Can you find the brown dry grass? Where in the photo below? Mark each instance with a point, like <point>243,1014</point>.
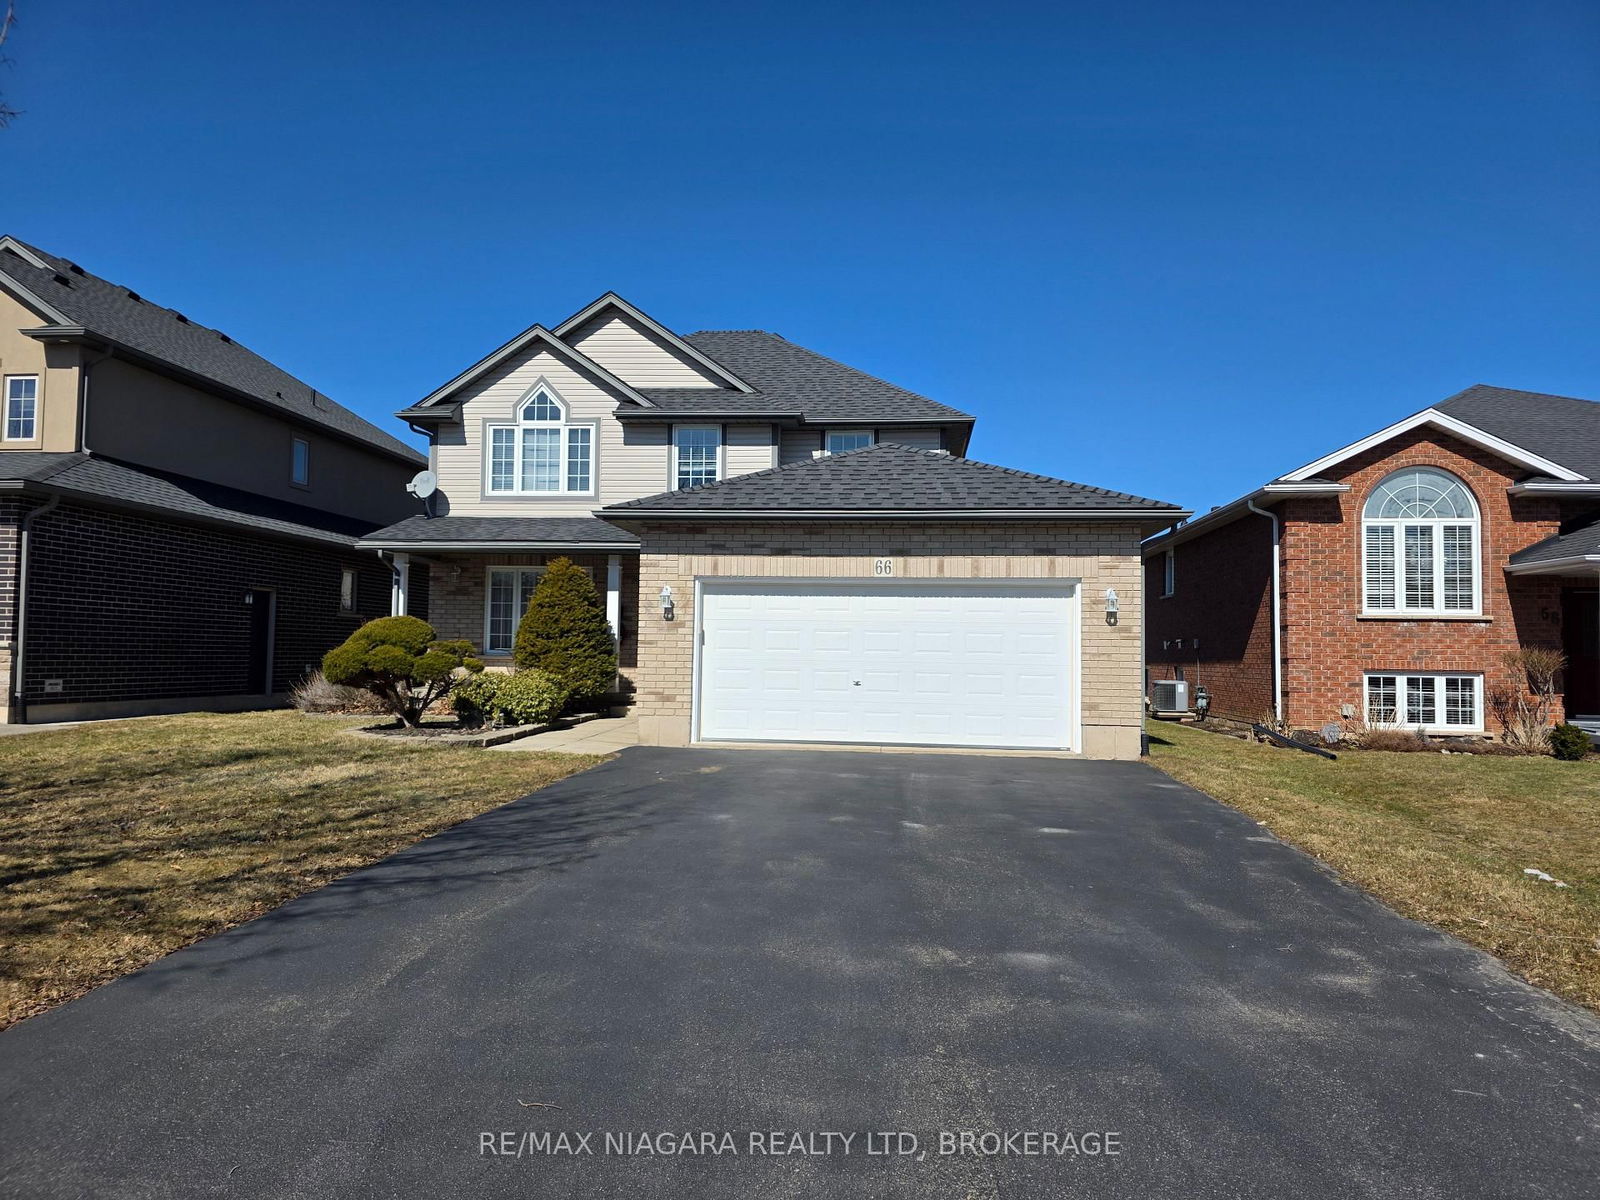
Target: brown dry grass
<point>1443,839</point>
<point>121,842</point>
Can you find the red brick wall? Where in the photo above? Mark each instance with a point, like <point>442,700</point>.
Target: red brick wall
<point>1223,598</point>
<point>1328,644</point>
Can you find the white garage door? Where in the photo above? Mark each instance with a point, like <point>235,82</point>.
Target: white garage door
<point>909,663</point>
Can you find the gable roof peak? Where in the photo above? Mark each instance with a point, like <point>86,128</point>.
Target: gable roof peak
<point>612,300</point>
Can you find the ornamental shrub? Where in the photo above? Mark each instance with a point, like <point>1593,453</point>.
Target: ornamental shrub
<point>529,698</point>
<point>402,663</point>
<point>473,698</point>
<point>565,633</point>
<point>1569,743</point>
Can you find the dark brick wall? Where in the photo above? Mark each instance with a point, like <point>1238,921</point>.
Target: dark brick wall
<point>129,607</point>
<point>11,511</point>
<point>1223,601</point>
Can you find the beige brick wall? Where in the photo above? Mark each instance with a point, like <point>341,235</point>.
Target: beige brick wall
<point>1101,555</point>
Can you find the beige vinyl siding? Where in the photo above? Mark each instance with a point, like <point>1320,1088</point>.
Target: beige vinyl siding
<point>749,448</point>
<point>630,460</point>
<point>635,355</point>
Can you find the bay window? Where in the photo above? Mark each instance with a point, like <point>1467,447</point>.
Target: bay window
<point>543,453</point>
<point>1420,538</point>
<point>1434,703</point>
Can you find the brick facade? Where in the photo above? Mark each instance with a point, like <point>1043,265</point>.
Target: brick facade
<point>1328,644</point>
<point>1102,556</point>
<point>459,596</point>
<point>130,610</point>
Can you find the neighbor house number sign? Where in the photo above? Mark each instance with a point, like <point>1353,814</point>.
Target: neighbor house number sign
<point>883,566</point>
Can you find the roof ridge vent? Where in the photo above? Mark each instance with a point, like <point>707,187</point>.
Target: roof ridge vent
<point>62,279</point>
<point>222,335</point>
<point>134,296</point>
<point>73,267</point>
<point>180,316</point>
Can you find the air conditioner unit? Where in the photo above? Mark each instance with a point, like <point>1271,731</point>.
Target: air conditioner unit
<point>1169,695</point>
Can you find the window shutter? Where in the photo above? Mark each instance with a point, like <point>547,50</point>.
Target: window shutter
<point>1419,566</point>
<point>1380,567</point>
<point>1458,572</point>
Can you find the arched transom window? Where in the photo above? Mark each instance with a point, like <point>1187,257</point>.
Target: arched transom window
<point>542,452</point>
<point>1420,545</point>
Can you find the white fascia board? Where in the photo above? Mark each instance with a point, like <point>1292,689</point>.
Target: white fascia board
<point>1554,565</point>
<point>534,333</point>
<point>28,256</point>
<point>612,300</point>
<point>1555,488</point>
<point>1234,509</point>
<point>1467,433</point>
<point>32,300</point>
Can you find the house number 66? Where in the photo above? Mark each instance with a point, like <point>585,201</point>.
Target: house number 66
<point>883,566</point>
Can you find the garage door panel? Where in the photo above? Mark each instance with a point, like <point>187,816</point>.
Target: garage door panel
<point>925,663</point>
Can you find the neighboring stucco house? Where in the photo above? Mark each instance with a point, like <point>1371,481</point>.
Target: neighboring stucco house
<point>1408,564</point>
<point>791,550</point>
<point>178,517</point>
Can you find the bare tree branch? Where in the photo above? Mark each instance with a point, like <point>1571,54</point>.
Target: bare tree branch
<point>7,113</point>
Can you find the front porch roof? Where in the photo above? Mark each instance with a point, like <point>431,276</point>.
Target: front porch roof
<point>498,534</point>
<point>1575,553</point>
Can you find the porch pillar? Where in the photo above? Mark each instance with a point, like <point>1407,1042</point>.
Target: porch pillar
<point>614,596</point>
<point>401,582</point>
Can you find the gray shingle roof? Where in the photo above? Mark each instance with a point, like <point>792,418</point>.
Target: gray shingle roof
<point>791,379</point>
<point>1578,543</point>
<point>116,313</point>
<point>887,477</point>
<point>1563,429</point>
<point>420,530</point>
<point>119,485</point>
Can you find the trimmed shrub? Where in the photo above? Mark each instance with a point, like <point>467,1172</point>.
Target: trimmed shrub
<point>1569,743</point>
<point>401,662</point>
<point>529,698</point>
<point>565,633</point>
<point>473,698</point>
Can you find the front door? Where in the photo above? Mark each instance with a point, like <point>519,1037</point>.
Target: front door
<point>1580,637</point>
<point>260,672</point>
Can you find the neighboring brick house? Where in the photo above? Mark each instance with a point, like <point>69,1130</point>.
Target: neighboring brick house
<point>178,517</point>
<point>1409,564</point>
<point>825,565</point>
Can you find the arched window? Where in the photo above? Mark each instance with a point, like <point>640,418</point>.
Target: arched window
<point>1420,545</point>
<point>543,452</point>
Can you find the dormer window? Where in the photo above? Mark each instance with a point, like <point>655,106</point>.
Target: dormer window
<point>543,453</point>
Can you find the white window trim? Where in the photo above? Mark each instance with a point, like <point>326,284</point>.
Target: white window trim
<point>1438,524</point>
<point>872,437</point>
<point>722,454</point>
<point>5,415</point>
<point>1169,574</point>
<point>488,595</point>
<point>294,444</point>
<point>1438,678</point>
<point>517,424</point>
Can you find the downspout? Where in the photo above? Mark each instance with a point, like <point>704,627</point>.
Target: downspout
<point>83,398</point>
<point>1277,616</point>
<point>19,706</point>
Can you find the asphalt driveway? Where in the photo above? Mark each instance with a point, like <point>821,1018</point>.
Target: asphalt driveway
<point>695,942</point>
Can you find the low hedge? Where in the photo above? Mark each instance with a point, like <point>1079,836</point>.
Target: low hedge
<point>519,698</point>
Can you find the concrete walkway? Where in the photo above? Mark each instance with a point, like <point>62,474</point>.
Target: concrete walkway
<point>603,735</point>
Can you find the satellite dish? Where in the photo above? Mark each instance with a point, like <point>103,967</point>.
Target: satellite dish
<point>423,484</point>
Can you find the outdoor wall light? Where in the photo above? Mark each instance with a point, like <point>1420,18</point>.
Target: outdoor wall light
<point>666,603</point>
<point>1111,606</point>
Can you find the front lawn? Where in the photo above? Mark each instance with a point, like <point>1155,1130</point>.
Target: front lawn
<point>1442,838</point>
<point>122,841</point>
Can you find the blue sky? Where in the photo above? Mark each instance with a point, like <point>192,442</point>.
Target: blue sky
<point>1169,248</point>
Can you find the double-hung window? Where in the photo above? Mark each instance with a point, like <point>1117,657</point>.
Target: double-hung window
<point>839,441</point>
<point>1434,703</point>
<point>22,407</point>
<point>542,453</point>
<point>1420,536</point>
<point>697,455</point>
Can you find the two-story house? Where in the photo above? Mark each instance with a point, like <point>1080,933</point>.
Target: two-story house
<point>178,516</point>
<point>1384,583</point>
<point>791,550</point>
